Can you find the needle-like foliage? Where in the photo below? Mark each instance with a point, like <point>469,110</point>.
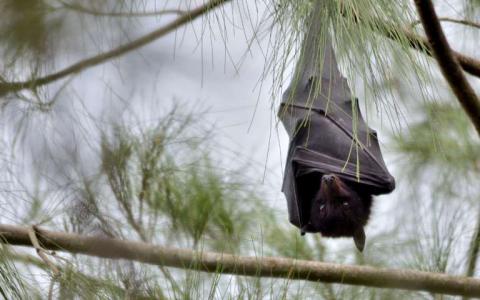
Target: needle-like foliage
<point>79,155</point>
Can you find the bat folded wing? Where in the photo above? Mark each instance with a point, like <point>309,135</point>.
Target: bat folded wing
<point>327,132</point>
<point>329,143</point>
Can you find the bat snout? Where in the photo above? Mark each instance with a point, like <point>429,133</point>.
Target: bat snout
<point>333,184</point>
<point>328,179</point>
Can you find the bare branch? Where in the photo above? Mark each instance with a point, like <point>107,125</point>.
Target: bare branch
<point>11,87</point>
<point>41,252</point>
<point>448,63</point>
<point>129,14</point>
<point>451,20</point>
<point>244,265</point>
<point>473,250</point>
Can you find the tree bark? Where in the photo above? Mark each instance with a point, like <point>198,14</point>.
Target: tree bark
<point>448,63</point>
<point>244,265</point>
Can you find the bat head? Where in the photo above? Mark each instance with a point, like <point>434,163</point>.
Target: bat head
<point>338,210</point>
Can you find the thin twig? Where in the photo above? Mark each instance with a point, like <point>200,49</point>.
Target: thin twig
<point>40,251</point>
<point>89,11</point>
<point>473,252</point>
<point>12,87</point>
<point>448,62</point>
<point>224,263</point>
<point>451,20</point>
<point>50,289</point>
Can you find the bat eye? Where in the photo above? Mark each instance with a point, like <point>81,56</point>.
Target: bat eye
<point>345,203</point>
<point>322,206</point>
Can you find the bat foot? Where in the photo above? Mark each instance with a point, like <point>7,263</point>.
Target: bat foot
<point>303,230</point>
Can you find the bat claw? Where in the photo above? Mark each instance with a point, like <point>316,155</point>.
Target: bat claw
<point>303,230</point>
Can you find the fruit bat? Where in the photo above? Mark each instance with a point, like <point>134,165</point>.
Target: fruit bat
<point>334,163</point>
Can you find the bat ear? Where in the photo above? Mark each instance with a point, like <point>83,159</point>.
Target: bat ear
<point>359,238</point>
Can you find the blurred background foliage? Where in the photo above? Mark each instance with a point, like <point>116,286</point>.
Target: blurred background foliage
<point>77,162</point>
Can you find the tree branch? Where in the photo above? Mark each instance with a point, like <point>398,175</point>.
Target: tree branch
<point>244,265</point>
<point>41,252</point>
<point>448,63</point>
<point>11,87</point>
<point>472,255</point>
<point>469,64</point>
<point>451,20</point>
<point>393,32</point>
<point>82,9</point>
<point>473,250</point>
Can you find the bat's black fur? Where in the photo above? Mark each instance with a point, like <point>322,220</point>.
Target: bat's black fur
<point>339,209</point>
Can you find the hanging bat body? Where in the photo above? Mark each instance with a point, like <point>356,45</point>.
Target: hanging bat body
<point>334,164</point>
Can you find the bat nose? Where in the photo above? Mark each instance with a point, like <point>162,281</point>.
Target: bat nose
<point>328,178</point>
